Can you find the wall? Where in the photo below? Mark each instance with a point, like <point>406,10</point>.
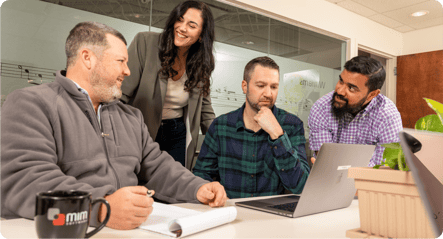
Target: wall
<point>423,40</point>
<point>330,18</point>
<point>35,32</point>
<point>33,36</point>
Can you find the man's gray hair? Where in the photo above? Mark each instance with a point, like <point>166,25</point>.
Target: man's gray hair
<point>88,34</point>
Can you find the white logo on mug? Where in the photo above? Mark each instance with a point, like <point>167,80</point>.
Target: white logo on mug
<point>58,219</point>
<point>52,213</point>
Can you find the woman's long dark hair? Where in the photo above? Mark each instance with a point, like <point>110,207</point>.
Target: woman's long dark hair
<point>200,59</point>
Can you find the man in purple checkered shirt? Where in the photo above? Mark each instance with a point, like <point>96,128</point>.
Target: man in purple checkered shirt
<point>356,112</point>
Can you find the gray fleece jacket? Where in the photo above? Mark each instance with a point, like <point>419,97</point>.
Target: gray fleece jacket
<point>51,140</point>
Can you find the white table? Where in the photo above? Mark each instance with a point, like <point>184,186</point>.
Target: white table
<point>249,224</point>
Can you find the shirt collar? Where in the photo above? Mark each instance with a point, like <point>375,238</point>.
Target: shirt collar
<point>370,106</point>
<point>81,90</point>
<point>87,94</point>
<point>373,102</point>
<point>240,123</point>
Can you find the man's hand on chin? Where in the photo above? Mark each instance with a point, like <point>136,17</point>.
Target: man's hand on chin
<point>267,121</point>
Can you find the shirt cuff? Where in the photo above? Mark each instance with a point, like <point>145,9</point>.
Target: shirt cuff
<point>281,145</point>
<point>283,152</point>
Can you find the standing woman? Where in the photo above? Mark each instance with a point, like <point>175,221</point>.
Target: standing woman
<point>170,79</point>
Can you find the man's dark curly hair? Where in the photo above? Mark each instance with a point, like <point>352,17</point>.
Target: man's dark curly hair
<point>369,67</point>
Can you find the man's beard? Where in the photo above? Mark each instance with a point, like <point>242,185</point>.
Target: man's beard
<point>255,106</point>
<point>340,112</point>
<point>105,91</point>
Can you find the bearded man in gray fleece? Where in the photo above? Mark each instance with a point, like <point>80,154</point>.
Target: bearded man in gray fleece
<point>74,134</point>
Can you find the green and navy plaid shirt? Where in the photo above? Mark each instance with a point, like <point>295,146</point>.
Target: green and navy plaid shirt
<point>250,164</point>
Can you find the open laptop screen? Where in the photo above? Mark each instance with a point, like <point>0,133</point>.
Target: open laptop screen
<point>429,186</point>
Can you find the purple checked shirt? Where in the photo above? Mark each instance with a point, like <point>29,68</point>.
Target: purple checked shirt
<point>379,123</point>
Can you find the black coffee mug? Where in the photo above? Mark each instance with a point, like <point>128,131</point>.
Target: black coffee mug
<point>65,214</point>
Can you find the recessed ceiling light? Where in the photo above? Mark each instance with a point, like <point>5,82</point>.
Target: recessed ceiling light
<point>248,42</point>
<point>419,13</point>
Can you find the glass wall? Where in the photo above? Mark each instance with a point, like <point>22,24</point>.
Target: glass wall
<point>33,34</point>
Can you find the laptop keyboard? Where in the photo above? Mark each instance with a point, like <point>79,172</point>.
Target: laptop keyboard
<point>290,207</point>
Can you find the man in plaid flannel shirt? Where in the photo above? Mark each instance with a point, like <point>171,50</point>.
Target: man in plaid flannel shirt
<point>356,112</point>
<point>257,150</point>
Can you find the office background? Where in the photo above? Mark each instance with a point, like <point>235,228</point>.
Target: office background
<point>34,32</point>
<point>309,39</point>
<point>382,28</point>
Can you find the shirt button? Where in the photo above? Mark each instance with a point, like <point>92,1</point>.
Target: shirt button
<point>275,147</point>
<point>253,155</point>
<point>252,176</point>
<point>252,195</point>
<point>282,169</point>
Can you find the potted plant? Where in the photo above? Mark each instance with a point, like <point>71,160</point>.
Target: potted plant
<point>389,202</point>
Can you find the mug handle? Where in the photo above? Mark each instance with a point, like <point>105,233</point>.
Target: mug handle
<point>103,224</point>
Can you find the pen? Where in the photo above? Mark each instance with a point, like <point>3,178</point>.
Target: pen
<point>149,193</point>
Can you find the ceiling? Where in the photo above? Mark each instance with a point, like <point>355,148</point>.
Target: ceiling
<point>396,14</point>
<point>233,26</point>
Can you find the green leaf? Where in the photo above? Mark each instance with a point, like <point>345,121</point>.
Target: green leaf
<point>429,123</point>
<point>391,146</point>
<point>393,155</point>
<point>390,156</point>
<point>437,106</point>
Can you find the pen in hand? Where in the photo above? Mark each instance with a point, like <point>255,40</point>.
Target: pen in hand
<point>150,193</point>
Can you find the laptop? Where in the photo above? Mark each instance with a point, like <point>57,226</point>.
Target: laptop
<point>428,184</point>
<point>328,186</point>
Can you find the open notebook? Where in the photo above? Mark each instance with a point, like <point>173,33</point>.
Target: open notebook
<point>175,221</point>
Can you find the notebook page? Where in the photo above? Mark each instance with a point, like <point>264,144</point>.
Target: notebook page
<point>162,215</point>
<point>203,221</point>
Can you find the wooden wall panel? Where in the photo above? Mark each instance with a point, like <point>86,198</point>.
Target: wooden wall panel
<point>418,76</point>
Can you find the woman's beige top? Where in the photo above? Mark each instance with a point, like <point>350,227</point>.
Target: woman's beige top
<point>176,98</point>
